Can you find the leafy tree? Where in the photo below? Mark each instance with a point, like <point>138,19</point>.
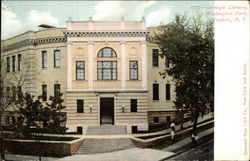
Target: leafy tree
<point>36,117</point>
<point>9,96</point>
<point>188,44</point>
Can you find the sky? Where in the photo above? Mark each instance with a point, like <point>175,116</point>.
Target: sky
<point>20,16</point>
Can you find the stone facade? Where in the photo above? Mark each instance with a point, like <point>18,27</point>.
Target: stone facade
<point>78,60</point>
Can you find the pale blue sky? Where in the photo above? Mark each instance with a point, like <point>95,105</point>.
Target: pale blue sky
<point>20,16</point>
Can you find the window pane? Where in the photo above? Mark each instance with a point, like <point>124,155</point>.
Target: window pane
<point>56,89</point>
<point>133,74</point>
<point>80,106</point>
<point>99,65</point>
<point>106,73</point>
<point>13,63</point>
<point>107,52</point>
<point>133,70</point>
<point>155,57</point>
<point>8,64</point>
<point>114,74</point>
<point>167,91</point>
<point>80,70</point>
<point>80,74</point>
<point>107,70</point>
<point>99,73</point>
<point>106,64</point>
<point>133,104</point>
<point>19,62</point>
<point>44,92</point>
<point>44,59</point>
<point>80,64</point>
<point>155,91</point>
<point>57,58</point>
<point>114,64</point>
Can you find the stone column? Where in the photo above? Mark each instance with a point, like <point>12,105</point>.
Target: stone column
<point>69,65</point>
<point>123,64</point>
<point>90,63</point>
<point>144,65</point>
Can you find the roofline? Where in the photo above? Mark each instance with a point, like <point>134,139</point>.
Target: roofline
<point>31,31</point>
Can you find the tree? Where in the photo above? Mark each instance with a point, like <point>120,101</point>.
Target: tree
<point>188,44</point>
<point>8,97</point>
<point>37,117</point>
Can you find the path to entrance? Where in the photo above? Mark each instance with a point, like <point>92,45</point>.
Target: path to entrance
<point>132,154</point>
<point>104,145</point>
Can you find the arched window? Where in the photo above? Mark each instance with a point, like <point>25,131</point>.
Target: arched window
<point>107,52</point>
<point>106,69</point>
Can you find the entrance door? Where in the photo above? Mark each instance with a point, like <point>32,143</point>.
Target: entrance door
<point>107,111</point>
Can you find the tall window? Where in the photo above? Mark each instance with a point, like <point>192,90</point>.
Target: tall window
<point>155,57</point>
<point>19,65</point>
<point>44,59</point>
<point>44,92</point>
<point>155,91</point>
<point>80,73</point>
<point>133,105</point>
<point>80,106</point>
<point>13,63</point>
<point>167,91</point>
<point>133,66</point>
<point>57,58</point>
<point>107,52</point>
<point>107,70</point>
<point>56,89</point>
<point>8,64</point>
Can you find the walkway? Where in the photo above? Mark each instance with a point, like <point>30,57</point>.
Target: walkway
<point>187,141</point>
<point>104,145</point>
<point>132,154</point>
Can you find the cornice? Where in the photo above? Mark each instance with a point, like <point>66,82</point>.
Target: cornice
<point>34,42</point>
<point>105,33</point>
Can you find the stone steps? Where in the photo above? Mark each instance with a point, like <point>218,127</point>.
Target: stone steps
<point>92,146</point>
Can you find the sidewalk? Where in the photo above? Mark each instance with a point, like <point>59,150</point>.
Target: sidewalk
<point>187,141</point>
<point>133,154</point>
<point>16,157</point>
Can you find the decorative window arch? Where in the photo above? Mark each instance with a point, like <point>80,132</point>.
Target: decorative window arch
<point>107,52</point>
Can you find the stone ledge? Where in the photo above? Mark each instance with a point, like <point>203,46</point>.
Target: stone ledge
<point>51,148</point>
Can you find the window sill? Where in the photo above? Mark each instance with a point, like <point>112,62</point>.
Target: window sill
<point>155,100</point>
<point>57,67</point>
<point>107,80</point>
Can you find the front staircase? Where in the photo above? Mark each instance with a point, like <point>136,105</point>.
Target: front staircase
<point>97,145</point>
<point>93,146</point>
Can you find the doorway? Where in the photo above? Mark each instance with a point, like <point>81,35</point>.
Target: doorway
<point>107,111</point>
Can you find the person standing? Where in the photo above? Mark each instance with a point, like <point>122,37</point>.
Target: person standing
<point>172,136</point>
<point>173,126</point>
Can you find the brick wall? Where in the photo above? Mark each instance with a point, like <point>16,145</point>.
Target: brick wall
<point>47,148</point>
